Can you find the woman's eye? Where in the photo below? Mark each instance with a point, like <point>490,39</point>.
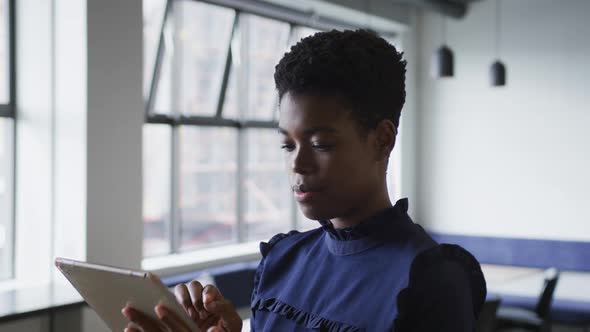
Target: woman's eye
<point>288,147</point>
<point>322,147</point>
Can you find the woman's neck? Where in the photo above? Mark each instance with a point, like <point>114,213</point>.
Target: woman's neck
<point>356,216</point>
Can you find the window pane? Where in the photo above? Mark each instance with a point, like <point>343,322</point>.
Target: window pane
<point>266,186</point>
<point>203,33</point>
<point>6,197</point>
<point>164,102</point>
<point>4,54</point>
<point>153,13</point>
<point>231,102</point>
<point>267,41</point>
<point>207,186</point>
<point>156,189</point>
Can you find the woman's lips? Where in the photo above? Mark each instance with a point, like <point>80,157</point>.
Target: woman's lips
<point>304,193</point>
<point>305,196</point>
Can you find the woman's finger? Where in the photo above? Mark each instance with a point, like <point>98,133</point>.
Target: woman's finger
<point>184,298</point>
<point>196,291</point>
<point>210,294</point>
<point>170,319</point>
<point>146,323</point>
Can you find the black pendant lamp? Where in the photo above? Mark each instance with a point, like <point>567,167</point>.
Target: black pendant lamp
<point>498,74</point>
<point>498,69</point>
<point>443,60</point>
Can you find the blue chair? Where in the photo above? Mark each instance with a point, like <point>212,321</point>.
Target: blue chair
<point>532,320</point>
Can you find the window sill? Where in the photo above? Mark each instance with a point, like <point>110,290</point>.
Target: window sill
<point>175,264</point>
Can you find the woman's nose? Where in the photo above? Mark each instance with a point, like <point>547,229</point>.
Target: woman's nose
<point>302,161</point>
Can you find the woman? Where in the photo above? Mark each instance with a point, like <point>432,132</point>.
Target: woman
<point>368,267</point>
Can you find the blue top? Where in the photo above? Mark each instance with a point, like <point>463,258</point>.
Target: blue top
<point>384,274</point>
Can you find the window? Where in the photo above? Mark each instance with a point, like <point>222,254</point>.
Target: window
<point>266,41</point>
<point>157,145</point>
<point>207,186</point>
<point>6,142</point>
<point>266,187</point>
<point>213,170</point>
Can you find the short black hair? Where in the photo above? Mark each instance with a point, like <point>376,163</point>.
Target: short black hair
<point>358,66</point>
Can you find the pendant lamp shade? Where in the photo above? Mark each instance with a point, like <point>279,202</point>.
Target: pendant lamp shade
<point>498,74</point>
<point>443,62</point>
<point>498,69</point>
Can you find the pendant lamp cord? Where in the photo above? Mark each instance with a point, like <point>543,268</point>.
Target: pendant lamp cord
<point>498,27</point>
<point>444,29</point>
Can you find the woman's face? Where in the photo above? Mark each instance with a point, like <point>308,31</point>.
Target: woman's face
<point>334,171</point>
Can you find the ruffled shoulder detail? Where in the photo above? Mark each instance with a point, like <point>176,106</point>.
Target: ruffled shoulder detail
<point>303,318</point>
<point>420,271</point>
<point>265,247</point>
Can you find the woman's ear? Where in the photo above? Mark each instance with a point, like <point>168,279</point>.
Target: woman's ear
<point>385,134</point>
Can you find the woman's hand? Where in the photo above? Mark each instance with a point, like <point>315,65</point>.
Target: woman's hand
<point>205,305</point>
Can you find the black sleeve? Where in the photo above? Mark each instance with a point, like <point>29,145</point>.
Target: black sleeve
<point>445,292</point>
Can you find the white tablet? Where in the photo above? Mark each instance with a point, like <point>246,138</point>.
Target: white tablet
<point>108,289</point>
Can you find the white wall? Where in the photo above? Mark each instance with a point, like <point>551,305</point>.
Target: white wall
<point>509,161</point>
<point>409,118</point>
